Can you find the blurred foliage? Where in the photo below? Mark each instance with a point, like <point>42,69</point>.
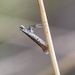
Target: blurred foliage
<point>26,9</point>
<point>71,71</point>
<point>1,42</point>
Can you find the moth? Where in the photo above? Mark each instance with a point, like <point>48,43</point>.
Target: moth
<point>30,33</point>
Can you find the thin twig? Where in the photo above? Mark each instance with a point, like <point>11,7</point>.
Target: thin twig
<point>48,37</point>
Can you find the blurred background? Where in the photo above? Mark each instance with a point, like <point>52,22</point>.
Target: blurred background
<point>19,55</point>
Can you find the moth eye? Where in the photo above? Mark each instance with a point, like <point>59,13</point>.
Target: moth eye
<point>22,27</point>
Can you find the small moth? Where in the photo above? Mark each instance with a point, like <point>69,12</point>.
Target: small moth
<point>30,33</point>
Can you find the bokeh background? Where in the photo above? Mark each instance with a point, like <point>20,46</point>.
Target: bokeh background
<point>19,55</point>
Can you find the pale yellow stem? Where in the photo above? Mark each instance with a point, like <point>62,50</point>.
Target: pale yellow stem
<point>48,37</point>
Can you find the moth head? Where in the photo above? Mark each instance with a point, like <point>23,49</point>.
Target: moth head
<point>22,27</point>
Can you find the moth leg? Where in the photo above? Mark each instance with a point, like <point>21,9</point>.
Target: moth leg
<point>38,26</point>
<point>35,26</point>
